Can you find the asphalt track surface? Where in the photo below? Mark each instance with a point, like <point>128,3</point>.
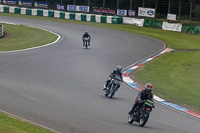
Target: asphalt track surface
<point>60,86</point>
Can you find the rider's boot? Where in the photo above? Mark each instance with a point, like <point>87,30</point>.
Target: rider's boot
<point>104,87</point>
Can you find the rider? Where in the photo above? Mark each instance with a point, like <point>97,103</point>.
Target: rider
<point>86,35</point>
<point>115,71</point>
<point>143,95</point>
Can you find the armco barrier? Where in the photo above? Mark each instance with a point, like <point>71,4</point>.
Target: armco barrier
<point>1,30</point>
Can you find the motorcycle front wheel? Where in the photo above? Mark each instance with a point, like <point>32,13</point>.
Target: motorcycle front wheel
<point>130,119</point>
<point>144,119</point>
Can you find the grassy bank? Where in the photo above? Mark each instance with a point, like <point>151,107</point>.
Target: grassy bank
<point>17,37</point>
<point>10,125</point>
<point>175,77</point>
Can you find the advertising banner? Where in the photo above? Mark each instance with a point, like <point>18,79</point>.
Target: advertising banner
<point>83,8</point>
<point>171,17</point>
<point>0,1</point>
<point>72,8</point>
<point>131,13</point>
<point>172,26</point>
<point>60,7</point>
<point>96,10</point>
<point>10,2</point>
<point>121,12</point>
<point>41,5</point>
<point>78,8</point>
<point>104,10</point>
<point>25,3</point>
<point>111,12</point>
<point>146,12</point>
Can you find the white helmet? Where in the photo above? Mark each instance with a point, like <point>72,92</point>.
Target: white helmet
<point>86,31</point>
<point>148,88</point>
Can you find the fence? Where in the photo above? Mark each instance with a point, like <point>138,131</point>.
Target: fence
<point>1,30</point>
<point>184,9</point>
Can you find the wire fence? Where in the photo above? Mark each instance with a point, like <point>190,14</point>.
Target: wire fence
<point>184,9</point>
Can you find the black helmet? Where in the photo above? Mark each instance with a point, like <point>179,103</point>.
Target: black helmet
<point>86,32</point>
<point>119,68</point>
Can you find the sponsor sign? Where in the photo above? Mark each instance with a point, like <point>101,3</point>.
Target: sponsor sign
<point>41,5</point>
<point>111,12</point>
<point>96,10</point>
<point>146,12</point>
<point>104,10</point>
<point>78,8</point>
<point>121,12</point>
<point>25,3</point>
<point>60,7</point>
<point>10,2</point>
<point>72,8</point>
<point>83,8</point>
<point>171,17</point>
<point>131,12</point>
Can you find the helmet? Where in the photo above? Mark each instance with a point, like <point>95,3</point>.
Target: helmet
<point>86,31</point>
<point>148,88</point>
<point>119,68</point>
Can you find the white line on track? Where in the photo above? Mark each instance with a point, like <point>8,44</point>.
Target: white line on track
<point>56,41</point>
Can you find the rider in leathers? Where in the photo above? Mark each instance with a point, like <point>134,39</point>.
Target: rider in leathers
<point>115,71</point>
<point>143,95</point>
<point>86,35</point>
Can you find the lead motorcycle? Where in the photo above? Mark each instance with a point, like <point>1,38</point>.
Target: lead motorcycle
<point>141,114</point>
<point>113,86</point>
<point>86,42</point>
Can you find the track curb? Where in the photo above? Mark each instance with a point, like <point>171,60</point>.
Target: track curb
<point>134,85</point>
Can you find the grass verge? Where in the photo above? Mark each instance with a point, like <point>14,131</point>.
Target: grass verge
<point>17,37</point>
<point>12,125</point>
<point>175,77</point>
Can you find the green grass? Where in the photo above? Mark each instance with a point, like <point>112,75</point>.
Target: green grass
<point>175,77</point>
<point>174,40</point>
<point>17,37</point>
<point>11,125</point>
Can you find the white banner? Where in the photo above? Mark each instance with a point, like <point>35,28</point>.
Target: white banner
<point>146,12</point>
<point>171,17</point>
<point>172,26</point>
<point>56,14</point>
<point>23,10</point>
<point>133,21</point>
<point>78,16</point>
<point>109,19</point>
<point>45,13</point>
<point>98,18</point>
<point>1,8</point>
<point>88,17</point>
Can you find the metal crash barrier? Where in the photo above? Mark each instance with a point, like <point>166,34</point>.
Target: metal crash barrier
<point>1,30</point>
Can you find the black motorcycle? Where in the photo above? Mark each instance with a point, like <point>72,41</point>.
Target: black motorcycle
<point>141,114</point>
<point>113,86</point>
<point>86,42</point>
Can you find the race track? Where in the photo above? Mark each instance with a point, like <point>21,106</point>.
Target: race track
<point>60,86</point>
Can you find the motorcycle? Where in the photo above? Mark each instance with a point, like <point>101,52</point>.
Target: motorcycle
<point>113,86</point>
<point>86,42</point>
<point>141,114</point>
